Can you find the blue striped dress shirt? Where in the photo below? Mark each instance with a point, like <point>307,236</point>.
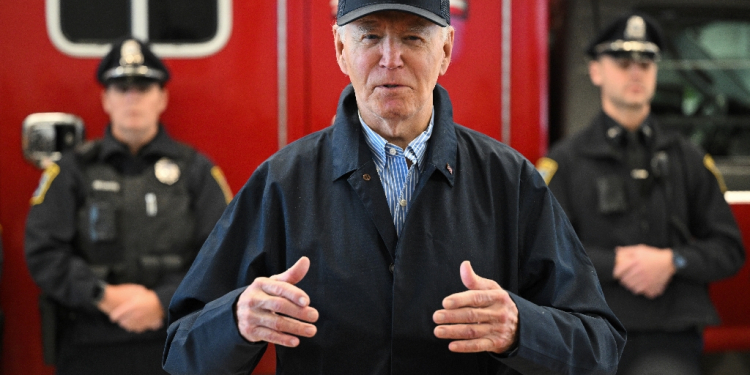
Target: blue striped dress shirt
<point>399,180</point>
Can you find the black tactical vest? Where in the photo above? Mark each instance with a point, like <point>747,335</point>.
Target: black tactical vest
<point>134,229</point>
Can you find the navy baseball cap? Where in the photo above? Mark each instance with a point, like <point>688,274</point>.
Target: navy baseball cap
<point>634,36</point>
<point>131,60</point>
<point>437,11</point>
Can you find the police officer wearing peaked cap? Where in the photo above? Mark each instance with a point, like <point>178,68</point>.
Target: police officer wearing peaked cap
<point>647,205</point>
<point>114,225</point>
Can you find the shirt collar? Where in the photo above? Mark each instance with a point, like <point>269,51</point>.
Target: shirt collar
<point>351,152</point>
<point>415,151</point>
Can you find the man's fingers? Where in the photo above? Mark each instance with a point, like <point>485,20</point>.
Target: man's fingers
<point>274,337</point>
<point>272,327</point>
<point>473,298</point>
<point>467,316</point>
<point>473,338</point>
<point>295,273</point>
<point>289,292</point>
<point>284,306</point>
<point>287,325</point>
<point>472,281</point>
<point>474,346</point>
<point>463,331</point>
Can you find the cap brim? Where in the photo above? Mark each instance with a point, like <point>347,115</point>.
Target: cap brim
<point>140,71</point>
<point>627,46</point>
<point>365,10</point>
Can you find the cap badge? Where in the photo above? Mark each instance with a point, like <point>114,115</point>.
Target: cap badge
<point>636,28</point>
<point>130,53</point>
<point>166,171</point>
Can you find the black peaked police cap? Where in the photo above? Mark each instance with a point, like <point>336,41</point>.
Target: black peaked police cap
<point>634,36</point>
<point>131,60</point>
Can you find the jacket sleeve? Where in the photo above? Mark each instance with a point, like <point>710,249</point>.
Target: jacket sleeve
<point>714,250</point>
<point>203,337</point>
<point>50,232</point>
<point>565,325</point>
<point>603,258</point>
<point>210,195</point>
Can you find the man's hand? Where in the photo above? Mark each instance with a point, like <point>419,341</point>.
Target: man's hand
<point>274,310</point>
<point>139,311</point>
<point>644,270</point>
<point>484,318</point>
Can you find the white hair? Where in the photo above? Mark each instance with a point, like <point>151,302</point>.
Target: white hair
<point>342,31</point>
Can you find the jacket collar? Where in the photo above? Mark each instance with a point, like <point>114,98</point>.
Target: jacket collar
<point>348,139</point>
<point>161,145</point>
<point>602,138</point>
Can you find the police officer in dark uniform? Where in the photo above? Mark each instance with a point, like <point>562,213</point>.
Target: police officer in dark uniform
<point>115,224</point>
<point>648,207</point>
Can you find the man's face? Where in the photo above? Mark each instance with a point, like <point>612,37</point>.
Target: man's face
<point>393,60</point>
<point>624,83</point>
<point>134,109</point>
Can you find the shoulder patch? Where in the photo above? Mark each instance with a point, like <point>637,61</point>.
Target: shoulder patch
<point>222,181</point>
<point>709,163</point>
<point>44,182</point>
<point>547,168</point>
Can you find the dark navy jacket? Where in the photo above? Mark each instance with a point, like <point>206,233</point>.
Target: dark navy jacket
<point>685,210</point>
<point>321,197</point>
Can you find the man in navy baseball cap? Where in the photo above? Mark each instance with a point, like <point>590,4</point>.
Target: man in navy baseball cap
<point>363,249</point>
<point>437,11</point>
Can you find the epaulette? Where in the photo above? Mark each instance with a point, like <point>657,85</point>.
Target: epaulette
<point>87,151</point>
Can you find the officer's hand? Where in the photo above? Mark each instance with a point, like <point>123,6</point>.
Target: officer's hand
<point>140,313</point>
<point>114,295</point>
<point>260,306</point>
<point>644,270</point>
<point>484,318</point>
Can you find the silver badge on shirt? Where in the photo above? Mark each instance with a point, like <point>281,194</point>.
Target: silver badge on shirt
<point>166,171</point>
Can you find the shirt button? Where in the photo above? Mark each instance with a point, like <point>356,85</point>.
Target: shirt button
<point>392,151</point>
<point>366,177</point>
<point>402,202</point>
<point>391,267</point>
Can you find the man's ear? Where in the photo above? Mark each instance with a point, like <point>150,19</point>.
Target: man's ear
<point>447,50</point>
<point>595,72</point>
<point>164,100</point>
<point>105,101</point>
<point>339,44</point>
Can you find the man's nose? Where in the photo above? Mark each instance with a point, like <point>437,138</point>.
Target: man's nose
<point>391,53</point>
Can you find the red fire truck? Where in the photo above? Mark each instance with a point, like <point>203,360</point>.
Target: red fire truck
<point>249,77</point>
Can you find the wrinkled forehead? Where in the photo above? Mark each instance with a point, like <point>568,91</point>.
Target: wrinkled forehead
<point>401,21</point>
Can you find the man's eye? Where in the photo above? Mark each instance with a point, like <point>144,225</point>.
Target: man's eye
<point>371,36</point>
